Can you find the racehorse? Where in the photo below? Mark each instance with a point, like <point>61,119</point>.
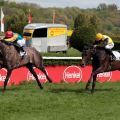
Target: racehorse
<point>11,59</point>
<point>101,62</point>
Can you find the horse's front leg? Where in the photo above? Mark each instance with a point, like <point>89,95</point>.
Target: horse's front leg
<point>93,83</point>
<point>89,81</point>
<point>6,79</point>
<point>97,71</point>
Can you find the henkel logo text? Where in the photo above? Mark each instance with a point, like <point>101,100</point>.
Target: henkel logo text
<point>41,76</point>
<point>72,74</point>
<point>2,78</point>
<point>3,73</point>
<point>105,76</point>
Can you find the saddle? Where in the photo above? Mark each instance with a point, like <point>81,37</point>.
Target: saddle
<point>19,49</point>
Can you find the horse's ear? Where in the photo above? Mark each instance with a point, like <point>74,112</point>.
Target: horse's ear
<point>91,46</point>
<point>86,46</point>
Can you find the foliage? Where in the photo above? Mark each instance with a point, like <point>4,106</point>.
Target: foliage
<point>83,35</point>
<point>110,7</point>
<point>105,18</point>
<point>61,62</point>
<point>117,45</point>
<point>80,20</point>
<point>18,27</point>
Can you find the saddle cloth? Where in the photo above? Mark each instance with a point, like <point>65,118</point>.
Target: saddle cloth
<point>117,55</point>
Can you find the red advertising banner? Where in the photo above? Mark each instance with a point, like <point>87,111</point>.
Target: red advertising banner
<point>58,74</point>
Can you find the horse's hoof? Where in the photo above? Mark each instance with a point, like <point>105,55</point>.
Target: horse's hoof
<point>87,88</point>
<point>50,81</point>
<point>41,88</point>
<point>92,91</point>
<point>3,91</point>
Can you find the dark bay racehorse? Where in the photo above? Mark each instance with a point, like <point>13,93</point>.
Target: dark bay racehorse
<point>101,62</point>
<point>10,59</point>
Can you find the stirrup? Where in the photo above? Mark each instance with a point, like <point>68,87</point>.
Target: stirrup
<point>113,58</point>
<point>22,54</point>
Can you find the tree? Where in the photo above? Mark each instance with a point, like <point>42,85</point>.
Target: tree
<point>80,20</point>
<point>94,21</point>
<point>81,36</point>
<point>112,7</point>
<point>102,6</point>
<point>18,27</point>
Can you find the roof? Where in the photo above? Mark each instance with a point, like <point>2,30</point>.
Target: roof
<point>42,25</point>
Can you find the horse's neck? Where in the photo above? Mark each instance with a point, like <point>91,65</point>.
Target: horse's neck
<point>3,47</point>
<point>100,54</point>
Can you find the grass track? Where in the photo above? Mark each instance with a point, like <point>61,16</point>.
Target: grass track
<point>60,102</point>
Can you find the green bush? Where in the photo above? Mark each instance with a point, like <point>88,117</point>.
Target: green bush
<point>61,62</point>
<point>18,27</point>
<point>81,36</point>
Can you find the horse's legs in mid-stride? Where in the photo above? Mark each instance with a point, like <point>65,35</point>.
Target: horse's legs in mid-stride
<point>44,71</point>
<point>30,67</point>
<point>7,78</point>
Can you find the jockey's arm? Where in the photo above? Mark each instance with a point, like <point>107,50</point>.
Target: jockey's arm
<point>12,39</point>
<point>96,43</point>
<point>105,42</point>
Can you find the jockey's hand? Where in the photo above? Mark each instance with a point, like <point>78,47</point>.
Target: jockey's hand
<point>1,38</point>
<point>95,46</point>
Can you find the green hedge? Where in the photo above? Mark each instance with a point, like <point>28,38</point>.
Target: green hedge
<point>61,62</point>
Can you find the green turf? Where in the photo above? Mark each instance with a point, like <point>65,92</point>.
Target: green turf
<point>71,52</point>
<point>60,102</point>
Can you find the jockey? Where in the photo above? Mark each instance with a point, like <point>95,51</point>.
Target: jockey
<point>106,42</point>
<point>16,38</point>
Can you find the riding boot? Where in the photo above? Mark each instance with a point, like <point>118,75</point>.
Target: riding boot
<point>22,52</point>
<point>111,53</point>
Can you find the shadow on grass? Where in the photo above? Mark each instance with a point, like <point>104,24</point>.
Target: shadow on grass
<point>60,90</point>
<point>78,91</point>
<point>17,88</point>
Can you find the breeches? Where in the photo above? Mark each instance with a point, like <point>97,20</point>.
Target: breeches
<point>109,46</point>
<point>21,42</point>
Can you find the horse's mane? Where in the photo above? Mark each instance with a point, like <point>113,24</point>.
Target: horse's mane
<point>91,46</point>
<point>5,42</point>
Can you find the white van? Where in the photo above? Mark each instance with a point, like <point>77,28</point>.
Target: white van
<point>46,37</point>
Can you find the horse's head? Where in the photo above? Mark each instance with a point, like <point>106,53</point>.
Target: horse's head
<point>86,54</point>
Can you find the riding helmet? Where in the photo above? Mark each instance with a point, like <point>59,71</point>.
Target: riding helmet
<point>99,36</point>
<point>8,34</point>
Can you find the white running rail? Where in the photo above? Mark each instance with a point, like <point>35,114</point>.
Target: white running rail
<point>62,58</point>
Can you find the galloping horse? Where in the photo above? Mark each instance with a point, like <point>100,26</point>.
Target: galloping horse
<point>10,59</point>
<point>101,62</point>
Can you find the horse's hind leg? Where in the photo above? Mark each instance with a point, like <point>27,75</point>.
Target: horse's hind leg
<point>30,67</point>
<point>6,80</point>
<point>44,71</point>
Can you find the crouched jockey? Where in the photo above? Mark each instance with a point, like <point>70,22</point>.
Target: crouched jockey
<point>106,42</point>
<point>16,38</point>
